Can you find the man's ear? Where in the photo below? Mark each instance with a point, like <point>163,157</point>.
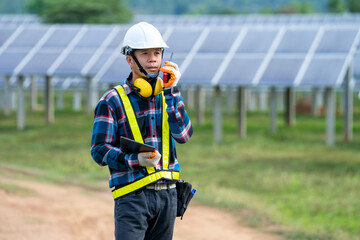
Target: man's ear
<point>130,61</point>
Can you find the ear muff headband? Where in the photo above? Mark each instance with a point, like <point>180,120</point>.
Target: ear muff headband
<point>158,87</point>
<point>145,89</point>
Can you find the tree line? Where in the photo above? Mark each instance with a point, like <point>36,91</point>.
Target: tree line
<point>122,11</point>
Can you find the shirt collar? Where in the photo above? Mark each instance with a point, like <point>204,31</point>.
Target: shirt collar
<point>126,85</point>
<point>127,89</point>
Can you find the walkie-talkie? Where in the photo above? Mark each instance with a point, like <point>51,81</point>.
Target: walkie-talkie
<point>166,76</point>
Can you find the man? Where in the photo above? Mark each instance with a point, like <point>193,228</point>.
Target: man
<point>147,109</point>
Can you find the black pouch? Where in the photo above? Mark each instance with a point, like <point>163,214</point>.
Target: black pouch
<point>184,195</point>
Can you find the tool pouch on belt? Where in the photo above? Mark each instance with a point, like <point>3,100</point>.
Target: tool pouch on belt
<point>184,195</point>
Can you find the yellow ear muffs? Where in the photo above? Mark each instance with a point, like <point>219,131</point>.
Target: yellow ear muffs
<point>144,86</point>
<point>159,86</point>
<point>146,89</point>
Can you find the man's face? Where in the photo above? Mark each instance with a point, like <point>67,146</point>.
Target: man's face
<point>149,59</point>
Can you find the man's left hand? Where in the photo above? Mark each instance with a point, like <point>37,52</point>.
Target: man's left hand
<point>173,70</point>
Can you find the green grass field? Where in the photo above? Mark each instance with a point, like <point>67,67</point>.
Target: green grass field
<point>289,182</point>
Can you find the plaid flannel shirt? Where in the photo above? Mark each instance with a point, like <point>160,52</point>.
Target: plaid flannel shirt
<point>110,122</point>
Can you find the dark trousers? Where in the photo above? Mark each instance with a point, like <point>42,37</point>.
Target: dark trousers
<point>146,215</point>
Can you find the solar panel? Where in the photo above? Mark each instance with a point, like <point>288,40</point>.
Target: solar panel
<point>28,38</point>
<point>41,62</point>
<point>337,40</point>
<point>9,60</point>
<point>118,39</point>
<point>202,69</point>
<point>219,40</point>
<point>178,58</point>
<point>323,71</point>
<point>282,70</point>
<point>94,37</point>
<point>5,33</point>
<point>100,62</point>
<point>296,41</point>
<point>182,40</point>
<point>61,37</point>
<point>241,70</point>
<point>74,62</point>
<point>257,41</point>
<point>116,73</point>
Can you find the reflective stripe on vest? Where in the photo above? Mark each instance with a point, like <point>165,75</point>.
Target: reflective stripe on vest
<point>142,182</point>
<point>132,119</point>
<point>153,174</point>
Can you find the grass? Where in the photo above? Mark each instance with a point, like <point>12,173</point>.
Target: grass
<point>58,152</point>
<point>16,189</point>
<point>291,176</point>
<point>288,182</point>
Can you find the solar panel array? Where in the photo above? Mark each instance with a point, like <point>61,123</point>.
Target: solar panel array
<point>270,56</point>
<point>237,54</point>
<point>254,19</point>
<point>10,19</point>
<point>61,50</point>
<point>246,19</point>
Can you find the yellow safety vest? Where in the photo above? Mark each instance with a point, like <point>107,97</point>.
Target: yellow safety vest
<point>153,174</point>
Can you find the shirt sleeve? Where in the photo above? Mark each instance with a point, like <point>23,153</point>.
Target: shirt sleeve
<point>104,144</point>
<point>179,122</point>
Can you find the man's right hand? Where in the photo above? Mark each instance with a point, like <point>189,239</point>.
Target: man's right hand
<point>149,159</point>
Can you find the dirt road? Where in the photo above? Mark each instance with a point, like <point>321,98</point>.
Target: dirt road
<point>33,210</point>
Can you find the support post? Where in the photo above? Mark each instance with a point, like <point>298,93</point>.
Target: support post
<point>290,106</point>
<point>33,94</point>
<point>60,99</point>
<point>231,98</point>
<point>49,101</point>
<point>330,116</point>
<point>280,100</point>
<point>348,106</point>
<point>273,109</point>
<point>190,97</point>
<point>242,112</point>
<point>90,94</point>
<point>218,116</point>
<point>77,100</point>
<point>200,105</point>
<point>7,96</point>
<point>183,90</point>
<point>13,99</point>
<point>21,104</point>
<point>316,98</point>
<point>252,100</point>
<point>263,100</point>
<point>208,98</point>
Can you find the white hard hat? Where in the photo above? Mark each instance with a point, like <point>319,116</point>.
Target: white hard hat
<point>142,36</point>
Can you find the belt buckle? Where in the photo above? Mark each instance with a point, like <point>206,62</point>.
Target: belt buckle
<point>157,187</point>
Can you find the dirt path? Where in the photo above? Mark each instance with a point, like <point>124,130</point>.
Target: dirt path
<point>43,211</point>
